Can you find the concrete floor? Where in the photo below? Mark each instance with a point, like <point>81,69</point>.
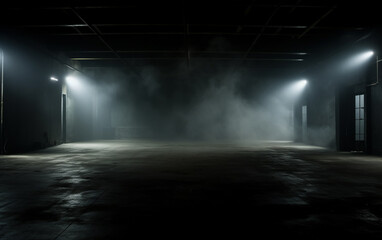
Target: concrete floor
<point>118,189</point>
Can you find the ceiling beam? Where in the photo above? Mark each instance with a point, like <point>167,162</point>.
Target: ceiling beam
<point>317,22</point>
<point>260,34</point>
<point>173,34</point>
<point>190,25</point>
<point>186,34</point>
<point>160,4</point>
<point>194,51</point>
<point>99,35</point>
<point>155,25</point>
<point>246,12</point>
<point>181,58</point>
<point>96,32</point>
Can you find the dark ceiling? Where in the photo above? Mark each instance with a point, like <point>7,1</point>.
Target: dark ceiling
<point>256,33</point>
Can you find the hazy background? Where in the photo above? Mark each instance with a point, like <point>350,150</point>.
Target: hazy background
<point>204,101</point>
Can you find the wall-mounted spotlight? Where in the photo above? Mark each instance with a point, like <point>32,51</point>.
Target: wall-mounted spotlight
<point>302,83</point>
<point>362,57</point>
<point>368,54</point>
<point>292,91</point>
<point>70,79</point>
<point>298,86</point>
<point>54,79</point>
<point>73,83</point>
<point>357,60</point>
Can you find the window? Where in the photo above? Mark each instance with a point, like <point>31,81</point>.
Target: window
<point>360,117</point>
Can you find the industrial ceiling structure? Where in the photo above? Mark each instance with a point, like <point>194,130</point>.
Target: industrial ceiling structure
<point>248,32</point>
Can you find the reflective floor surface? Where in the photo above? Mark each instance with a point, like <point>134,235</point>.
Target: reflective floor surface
<point>135,189</point>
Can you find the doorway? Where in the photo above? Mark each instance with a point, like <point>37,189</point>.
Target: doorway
<point>304,123</point>
<point>63,120</point>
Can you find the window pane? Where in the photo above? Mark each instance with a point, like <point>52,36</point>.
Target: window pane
<point>362,127</point>
<point>359,117</point>
<point>362,137</point>
<point>304,115</point>
<point>304,110</point>
<point>361,101</point>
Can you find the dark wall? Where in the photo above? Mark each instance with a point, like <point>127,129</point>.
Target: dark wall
<point>345,118</point>
<point>32,102</point>
<point>359,82</point>
<point>331,108</point>
<point>331,100</point>
<point>208,102</point>
<point>375,115</point>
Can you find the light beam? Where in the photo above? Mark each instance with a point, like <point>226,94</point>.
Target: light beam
<point>357,60</point>
<point>73,82</point>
